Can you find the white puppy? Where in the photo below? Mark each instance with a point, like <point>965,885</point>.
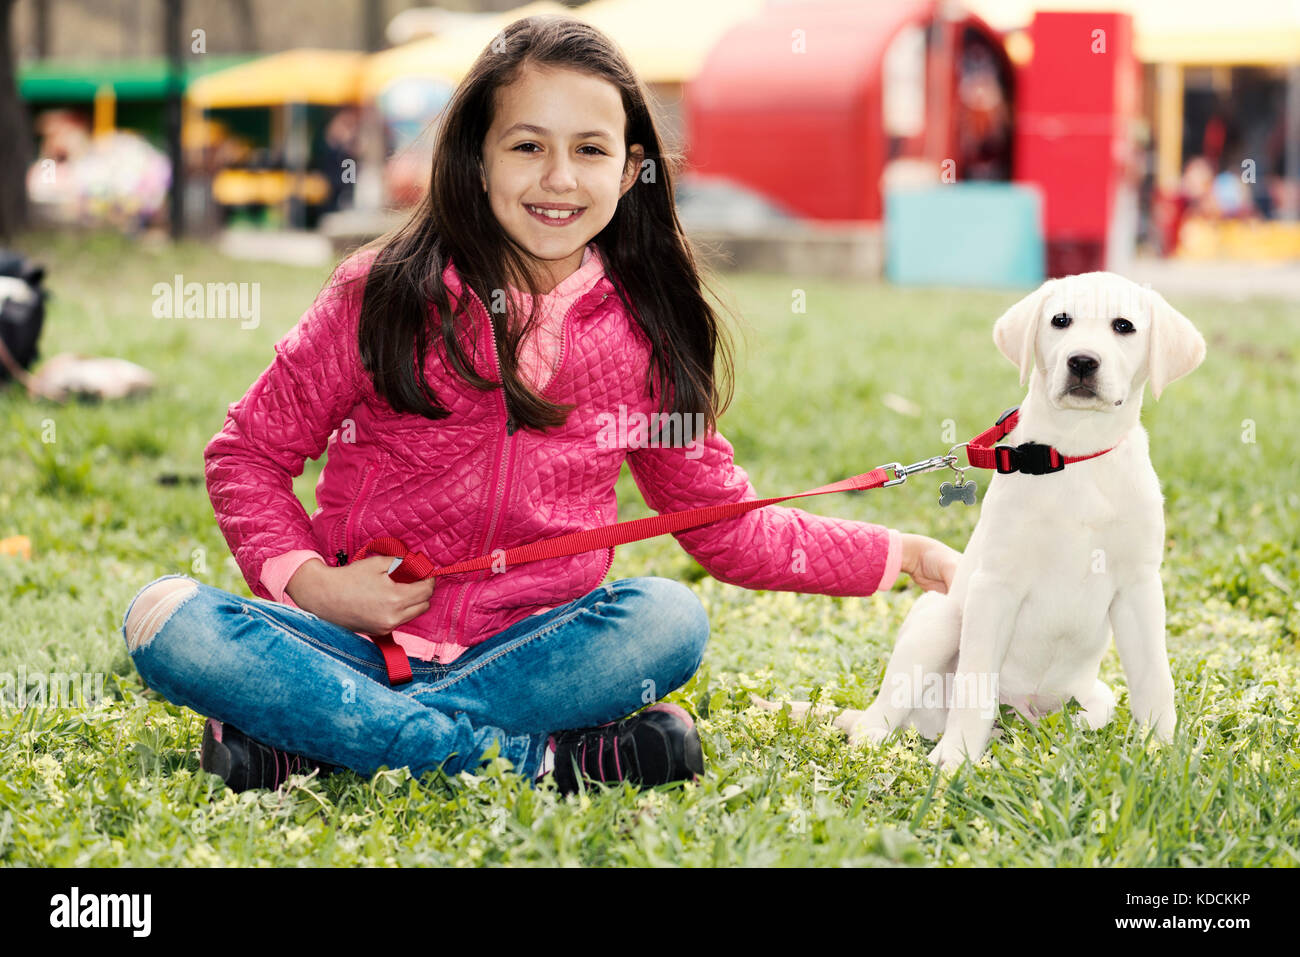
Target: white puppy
<point>1057,560</point>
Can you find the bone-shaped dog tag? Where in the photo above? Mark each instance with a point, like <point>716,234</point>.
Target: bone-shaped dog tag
<point>964,493</point>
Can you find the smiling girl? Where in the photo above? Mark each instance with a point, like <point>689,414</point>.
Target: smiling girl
<point>458,373</point>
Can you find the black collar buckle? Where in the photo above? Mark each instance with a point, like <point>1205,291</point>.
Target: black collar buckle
<point>1029,458</point>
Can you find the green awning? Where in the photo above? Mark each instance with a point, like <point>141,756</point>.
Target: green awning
<point>69,81</point>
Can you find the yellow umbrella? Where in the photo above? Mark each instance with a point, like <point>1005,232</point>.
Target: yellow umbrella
<point>1261,32</point>
<point>322,77</point>
<point>666,41</point>
<point>447,56</point>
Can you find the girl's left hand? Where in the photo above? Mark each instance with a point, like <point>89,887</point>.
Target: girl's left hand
<point>930,563</point>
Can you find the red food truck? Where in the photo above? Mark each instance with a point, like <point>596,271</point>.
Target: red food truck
<point>825,107</point>
<point>809,103</point>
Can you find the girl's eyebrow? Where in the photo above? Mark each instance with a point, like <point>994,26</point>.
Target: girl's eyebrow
<point>542,131</point>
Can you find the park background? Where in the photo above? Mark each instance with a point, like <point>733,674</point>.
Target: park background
<point>874,182</point>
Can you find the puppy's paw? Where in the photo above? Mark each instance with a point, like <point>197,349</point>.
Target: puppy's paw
<point>1096,719</point>
<point>1098,707</point>
<point>798,709</point>
<point>861,729</point>
<point>1165,727</point>
<point>1165,735</point>
<point>948,754</point>
<point>1163,720</point>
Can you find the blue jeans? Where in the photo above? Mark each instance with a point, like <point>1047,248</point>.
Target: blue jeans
<point>300,683</point>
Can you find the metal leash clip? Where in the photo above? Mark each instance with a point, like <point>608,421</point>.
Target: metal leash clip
<point>962,490</point>
<point>932,464</point>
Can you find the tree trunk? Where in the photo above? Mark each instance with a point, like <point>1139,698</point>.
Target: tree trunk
<point>247,20</point>
<point>174,45</point>
<point>372,26</point>
<point>13,134</point>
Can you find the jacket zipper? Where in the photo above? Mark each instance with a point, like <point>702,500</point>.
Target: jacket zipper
<point>501,459</point>
<point>609,561</point>
<point>503,477</point>
<point>342,543</point>
<point>564,345</point>
<point>499,508</point>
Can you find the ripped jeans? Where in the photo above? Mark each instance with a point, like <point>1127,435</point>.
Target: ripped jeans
<point>302,684</point>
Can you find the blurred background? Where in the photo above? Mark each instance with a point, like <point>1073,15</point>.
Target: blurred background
<point>971,142</point>
<point>885,178</point>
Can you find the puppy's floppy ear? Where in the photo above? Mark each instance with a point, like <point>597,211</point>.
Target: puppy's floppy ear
<point>1176,347</point>
<point>1016,332</point>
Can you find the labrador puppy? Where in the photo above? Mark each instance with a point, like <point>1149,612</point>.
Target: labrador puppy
<point>1058,560</point>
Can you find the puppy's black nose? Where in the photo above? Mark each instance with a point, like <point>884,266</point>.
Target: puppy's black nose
<point>1082,365</point>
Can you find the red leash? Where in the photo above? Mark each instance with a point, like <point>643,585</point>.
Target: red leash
<point>416,566</point>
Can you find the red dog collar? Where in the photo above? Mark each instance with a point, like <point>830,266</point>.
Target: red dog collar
<point>1028,458</point>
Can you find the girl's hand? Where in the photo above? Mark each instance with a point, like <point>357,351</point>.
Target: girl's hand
<point>359,596</point>
<point>930,563</point>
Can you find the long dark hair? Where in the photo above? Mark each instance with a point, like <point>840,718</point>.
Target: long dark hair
<point>646,253</point>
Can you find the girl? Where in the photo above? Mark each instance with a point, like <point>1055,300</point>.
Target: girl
<point>463,375</point>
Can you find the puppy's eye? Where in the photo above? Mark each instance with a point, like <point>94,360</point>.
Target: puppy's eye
<point>1122,326</point>
<point>1061,320</point>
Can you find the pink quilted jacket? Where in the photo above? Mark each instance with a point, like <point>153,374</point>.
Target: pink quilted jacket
<point>466,485</point>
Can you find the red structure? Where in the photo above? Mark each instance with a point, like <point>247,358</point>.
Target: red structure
<point>792,102</point>
<point>1077,103</point>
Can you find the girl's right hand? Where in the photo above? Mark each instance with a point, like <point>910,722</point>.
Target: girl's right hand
<point>930,563</point>
<point>359,596</point>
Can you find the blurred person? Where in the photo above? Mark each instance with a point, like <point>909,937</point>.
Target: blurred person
<point>339,143</point>
<point>1197,188</point>
<point>1233,198</point>
<point>983,117</point>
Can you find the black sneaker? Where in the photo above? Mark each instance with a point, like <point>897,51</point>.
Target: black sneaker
<point>655,746</point>
<point>244,763</point>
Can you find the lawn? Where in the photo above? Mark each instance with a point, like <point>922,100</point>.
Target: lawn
<point>120,783</point>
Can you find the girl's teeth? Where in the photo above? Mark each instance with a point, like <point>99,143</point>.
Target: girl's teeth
<point>554,213</point>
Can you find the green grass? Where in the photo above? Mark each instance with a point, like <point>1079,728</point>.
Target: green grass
<point>121,785</point>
